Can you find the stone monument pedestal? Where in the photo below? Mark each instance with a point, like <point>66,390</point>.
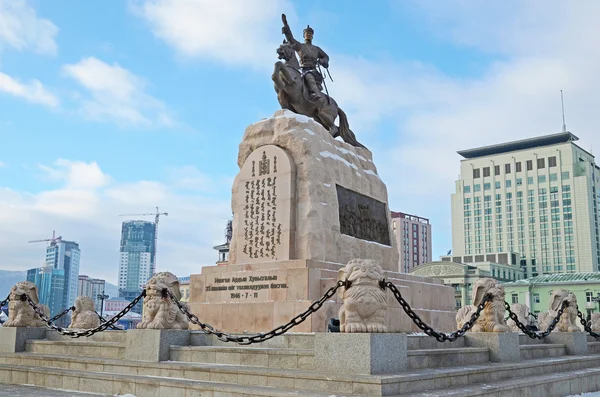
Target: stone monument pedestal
<point>504,346</point>
<point>304,205</point>
<point>14,339</point>
<point>575,342</point>
<point>153,344</point>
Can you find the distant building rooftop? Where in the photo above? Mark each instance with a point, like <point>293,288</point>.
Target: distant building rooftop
<point>529,143</point>
<point>408,216</point>
<point>559,278</point>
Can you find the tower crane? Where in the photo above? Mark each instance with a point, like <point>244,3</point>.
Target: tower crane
<point>156,215</point>
<point>52,240</point>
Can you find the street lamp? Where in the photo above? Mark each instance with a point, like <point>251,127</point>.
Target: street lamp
<point>101,296</point>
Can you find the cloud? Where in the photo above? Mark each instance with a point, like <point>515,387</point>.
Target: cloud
<point>20,28</point>
<point>3,164</point>
<point>84,206</point>
<point>33,92</point>
<point>117,95</point>
<point>231,32</point>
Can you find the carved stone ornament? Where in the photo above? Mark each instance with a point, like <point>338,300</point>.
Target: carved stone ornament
<point>365,302</point>
<point>491,318</point>
<point>84,316</point>
<point>568,320</point>
<point>159,312</point>
<point>596,322</point>
<point>20,313</point>
<point>522,312</point>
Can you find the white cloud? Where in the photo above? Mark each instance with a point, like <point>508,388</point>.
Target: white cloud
<point>21,28</point>
<point>3,164</point>
<point>33,92</point>
<point>116,94</point>
<point>84,207</point>
<point>232,32</point>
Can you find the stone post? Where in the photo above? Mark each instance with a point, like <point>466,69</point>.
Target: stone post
<point>575,342</point>
<point>153,344</point>
<point>361,353</point>
<point>504,346</point>
<point>14,339</point>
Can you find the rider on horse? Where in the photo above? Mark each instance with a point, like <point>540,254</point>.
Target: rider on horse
<point>310,57</point>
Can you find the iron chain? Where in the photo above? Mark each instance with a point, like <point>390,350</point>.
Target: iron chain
<point>586,326</point>
<point>85,332</point>
<point>534,334</point>
<point>440,336</point>
<point>5,301</point>
<point>260,337</point>
<point>103,320</point>
<point>59,315</point>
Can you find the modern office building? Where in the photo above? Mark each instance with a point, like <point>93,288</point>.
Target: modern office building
<point>92,288</point>
<point>535,197</point>
<point>51,287</point>
<point>137,258</point>
<point>413,236</point>
<point>65,255</point>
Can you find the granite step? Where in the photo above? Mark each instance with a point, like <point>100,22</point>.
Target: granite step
<point>529,352</point>
<point>526,340</point>
<point>253,356</point>
<point>83,348</point>
<point>104,336</point>
<point>593,347</point>
<point>292,340</point>
<point>558,384</point>
<point>419,342</point>
<point>437,358</point>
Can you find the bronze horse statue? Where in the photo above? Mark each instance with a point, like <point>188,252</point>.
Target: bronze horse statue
<point>292,95</point>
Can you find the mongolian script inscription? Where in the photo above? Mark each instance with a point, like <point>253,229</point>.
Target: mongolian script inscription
<point>362,217</point>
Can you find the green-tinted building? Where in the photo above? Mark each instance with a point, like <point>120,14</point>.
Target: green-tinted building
<point>535,292</point>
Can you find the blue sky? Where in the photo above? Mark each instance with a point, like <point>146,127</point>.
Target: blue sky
<point>116,107</point>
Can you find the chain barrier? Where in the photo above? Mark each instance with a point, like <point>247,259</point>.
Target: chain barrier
<point>440,336</point>
<point>260,337</point>
<point>586,325</point>
<point>85,332</point>
<point>103,320</point>
<point>61,314</point>
<point>533,334</point>
<point>5,301</point>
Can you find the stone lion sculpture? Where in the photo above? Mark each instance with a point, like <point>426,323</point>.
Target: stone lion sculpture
<point>159,312</point>
<point>596,322</point>
<point>568,321</point>
<point>20,313</point>
<point>522,312</point>
<point>84,316</point>
<point>491,318</point>
<point>365,302</point>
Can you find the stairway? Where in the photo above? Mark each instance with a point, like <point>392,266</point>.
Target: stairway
<point>284,366</point>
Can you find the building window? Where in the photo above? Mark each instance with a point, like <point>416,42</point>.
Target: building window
<point>467,189</point>
<point>551,161</point>
<point>536,298</point>
<point>541,163</point>
<point>487,186</point>
<point>476,173</point>
<point>588,296</point>
<point>519,181</point>
<point>553,177</point>
<point>507,168</point>
<point>529,165</point>
<point>477,187</point>
<point>486,171</point>
<point>515,298</point>
<point>518,166</point>
<point>497,184</point>
<point>565,175</point>
<point>508,183</point>
<point>542,179</point>
<point>496,170</point>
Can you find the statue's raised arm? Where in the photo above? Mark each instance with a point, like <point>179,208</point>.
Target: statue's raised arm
<point>288,32</point>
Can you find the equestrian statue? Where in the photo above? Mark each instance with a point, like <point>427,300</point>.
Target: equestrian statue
<point>299,85</point>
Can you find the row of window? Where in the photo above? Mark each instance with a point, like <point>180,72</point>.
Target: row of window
<point>518,182</point>
<point>541,163</point>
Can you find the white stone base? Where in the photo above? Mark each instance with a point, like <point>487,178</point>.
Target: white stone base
<point>14,339</point>
<point>153,344</point>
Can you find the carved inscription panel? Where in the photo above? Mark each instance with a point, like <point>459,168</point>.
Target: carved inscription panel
<point>362,217</point>
<point>265,189</point>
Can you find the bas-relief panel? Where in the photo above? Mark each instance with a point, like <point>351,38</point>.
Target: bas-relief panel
<point>266,187</point>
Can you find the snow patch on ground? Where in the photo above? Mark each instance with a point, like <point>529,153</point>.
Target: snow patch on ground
<point>336,157</point>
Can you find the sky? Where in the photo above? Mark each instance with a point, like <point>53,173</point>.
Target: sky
<point>118,107</point>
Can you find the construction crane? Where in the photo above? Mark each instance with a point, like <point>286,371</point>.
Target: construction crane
<point>156,219</point>
<point>52,240</point>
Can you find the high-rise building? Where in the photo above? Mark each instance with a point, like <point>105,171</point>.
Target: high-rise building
<point>137,258</point>
<point>92,288</point>
<point>65,255</point>
<point>413,236</point>
<point>536,197</point>
<point>51,287</point>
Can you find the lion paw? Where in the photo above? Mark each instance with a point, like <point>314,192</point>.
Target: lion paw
<point>356,327</point>
<point>376,327</point>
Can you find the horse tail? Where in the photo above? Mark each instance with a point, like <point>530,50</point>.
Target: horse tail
<point>345,132</point>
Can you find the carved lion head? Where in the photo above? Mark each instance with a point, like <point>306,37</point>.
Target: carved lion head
<point>84,304</point>
<point>558,296</point>
<point>24,287</point>
<point>362,271</point>
<point>163,280</point>
<point>485,286</point>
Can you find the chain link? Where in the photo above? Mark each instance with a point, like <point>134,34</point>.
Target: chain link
<point>586,325</point>
<point>260,337</point>
<point>534,334</point>
<point>59,315</point>
<point>85,332</point>
<point>5,301</point>
<point>440,336</point>
<point>103,320</point>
